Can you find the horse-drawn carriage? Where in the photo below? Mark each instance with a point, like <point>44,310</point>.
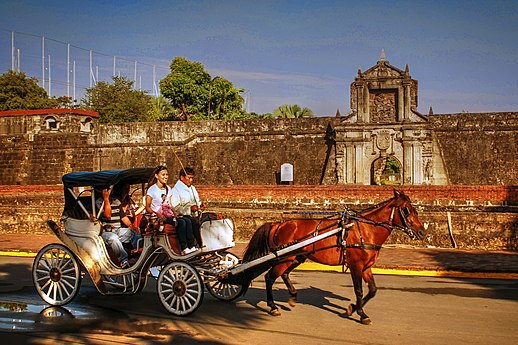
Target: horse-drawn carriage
<point>58,268</point>
<point>337,238</point>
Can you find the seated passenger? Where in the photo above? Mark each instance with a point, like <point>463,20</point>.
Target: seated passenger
<point>157,196</point>
<point>117,228</point>
<point>185,199</point>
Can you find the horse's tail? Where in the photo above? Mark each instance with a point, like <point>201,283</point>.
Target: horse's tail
<point>256,248</point>
<point>258,245</point>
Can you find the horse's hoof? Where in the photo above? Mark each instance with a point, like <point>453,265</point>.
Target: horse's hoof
<point>366,321</point>
<point>274,312</point>
<point>349,311</point>
<point>292,301</point>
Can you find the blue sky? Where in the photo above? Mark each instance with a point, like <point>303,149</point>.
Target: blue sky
<point>464,54</point>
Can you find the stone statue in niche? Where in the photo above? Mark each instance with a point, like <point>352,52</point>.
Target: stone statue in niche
<point>428,171</point>
<point>383,107</point>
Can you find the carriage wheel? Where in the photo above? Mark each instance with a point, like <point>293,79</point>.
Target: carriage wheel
<point>224,291</point>
<point>56,274</point>
<point>180,288</point>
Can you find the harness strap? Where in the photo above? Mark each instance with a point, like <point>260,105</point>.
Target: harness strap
<point>367,246</point>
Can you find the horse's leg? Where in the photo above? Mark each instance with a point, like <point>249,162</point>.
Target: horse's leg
<point>368,277</point>
<point>356,274</point>
<point>270,278</point>
<point>292,300</point>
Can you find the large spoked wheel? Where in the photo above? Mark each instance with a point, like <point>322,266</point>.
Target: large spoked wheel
<point>180,288</point>
<point>224,291</point>
<point>56,274</point>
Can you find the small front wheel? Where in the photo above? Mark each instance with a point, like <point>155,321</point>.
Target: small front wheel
<point>56,274</point>
<point>180,288</point>
<point>224,291</point>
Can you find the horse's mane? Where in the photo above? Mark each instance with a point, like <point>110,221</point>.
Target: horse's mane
<point>395,198</point>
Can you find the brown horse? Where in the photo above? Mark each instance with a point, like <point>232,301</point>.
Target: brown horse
<point>357,246</point>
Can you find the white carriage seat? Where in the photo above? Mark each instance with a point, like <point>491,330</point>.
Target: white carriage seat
<point>85,234</point>
<point>217,234</point>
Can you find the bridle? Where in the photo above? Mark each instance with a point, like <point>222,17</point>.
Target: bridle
<point>402,211</point>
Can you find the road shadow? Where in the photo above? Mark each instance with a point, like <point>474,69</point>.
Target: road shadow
<point>314,296</point>
<point>474,260</point>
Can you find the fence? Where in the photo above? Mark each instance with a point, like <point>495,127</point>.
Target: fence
<point>63,69</point>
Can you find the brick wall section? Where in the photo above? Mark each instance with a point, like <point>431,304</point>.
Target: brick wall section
<point>483,217</point>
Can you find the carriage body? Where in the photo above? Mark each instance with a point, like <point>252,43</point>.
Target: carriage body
<point>57,269</point>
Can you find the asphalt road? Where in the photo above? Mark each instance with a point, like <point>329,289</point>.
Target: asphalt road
<point>406,310</point>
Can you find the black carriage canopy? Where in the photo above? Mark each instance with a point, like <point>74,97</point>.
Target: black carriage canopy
<point>100,180</point>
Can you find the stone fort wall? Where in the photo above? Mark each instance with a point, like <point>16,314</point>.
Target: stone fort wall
<point>476,149</point>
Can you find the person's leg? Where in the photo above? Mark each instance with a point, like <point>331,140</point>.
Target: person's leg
<point>125,234</point>
<point>115,243</point>
<point>196,230</point>
<point>188,231</point>
<point>182,233</point>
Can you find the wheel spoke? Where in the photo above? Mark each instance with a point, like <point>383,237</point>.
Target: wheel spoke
<point>45,263</point>
<point>49,285</point>
<point>65,282</point>
<point>191,297</point>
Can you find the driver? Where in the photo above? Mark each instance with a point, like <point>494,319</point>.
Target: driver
<point>186,201</point>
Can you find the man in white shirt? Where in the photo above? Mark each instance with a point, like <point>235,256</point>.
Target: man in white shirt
<point>186,201</point>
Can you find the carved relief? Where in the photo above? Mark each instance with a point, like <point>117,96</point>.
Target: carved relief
<point>383,140</point>
<point>382,106</point>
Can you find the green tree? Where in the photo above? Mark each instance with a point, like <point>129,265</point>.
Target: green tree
<point>288,111</point>
<point>186,86</point>
<point>199,96</point>
<point>118,102</point>
<point>19,92</point>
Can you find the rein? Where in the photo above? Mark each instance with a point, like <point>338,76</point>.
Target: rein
<point>347,214</point>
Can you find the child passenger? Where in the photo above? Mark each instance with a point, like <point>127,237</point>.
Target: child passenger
<point>157,196</point>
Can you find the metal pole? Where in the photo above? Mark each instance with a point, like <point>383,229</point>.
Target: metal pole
<point>68,70</point>
<point>18,50</point>
<point>12,51</point>
<point>114,65</point>
<point>74,80</point>
<point>91,70</point>
<point>50,80</point>
<point>43,61</point>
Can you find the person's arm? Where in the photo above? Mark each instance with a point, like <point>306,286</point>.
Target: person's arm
<point>127,222</point>
<point>149,200</point>
<point>199,205</point>
<point>107,206</point>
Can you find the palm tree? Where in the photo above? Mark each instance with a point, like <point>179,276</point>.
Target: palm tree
<point>164,108</point>
<point>288,111</point>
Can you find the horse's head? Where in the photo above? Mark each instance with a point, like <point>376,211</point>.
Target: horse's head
<point>406,217</point>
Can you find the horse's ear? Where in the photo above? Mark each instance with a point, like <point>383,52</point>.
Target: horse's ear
<point>396,193</point>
